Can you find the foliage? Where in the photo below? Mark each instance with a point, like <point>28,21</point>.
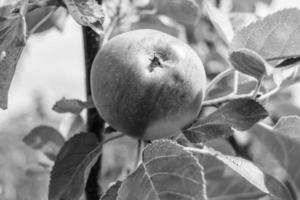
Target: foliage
<point>249,61</point>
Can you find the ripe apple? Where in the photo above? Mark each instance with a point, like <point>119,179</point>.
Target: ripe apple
<point>147,84</point>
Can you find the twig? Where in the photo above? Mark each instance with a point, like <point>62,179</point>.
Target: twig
<point>218,78</point>
<point>139,153</point>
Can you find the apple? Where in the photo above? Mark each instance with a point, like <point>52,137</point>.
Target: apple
<point>147,84</point>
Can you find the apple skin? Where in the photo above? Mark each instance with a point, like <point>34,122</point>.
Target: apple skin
<point>147,84</point>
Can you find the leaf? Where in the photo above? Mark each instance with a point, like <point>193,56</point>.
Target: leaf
<point>72,166</point>
<point>254,175</point>
<point>162,175</point>
<point>289,127</point>
<point>199,132</point>
<point>46,139</point>
<point>289,159</point>
<point>273,36</point>
<point>8,62</point>
<point>74,106</point>
<point>12,32</point>
<point>284,77</point>
<point>221,22</point>
<point>288,62</point>
<point>249,62</point>
<point>185,12</point>
<point>87,13</point>
<point>240,20</point>
<point>112,192</point>
<point>240,114</point>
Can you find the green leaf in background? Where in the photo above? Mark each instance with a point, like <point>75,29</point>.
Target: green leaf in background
<point>254,175</point>
<point>273,36</point>
<point>87,13</point>
<point>74,106</point>
<point>249,62</point>
<point>162,175</point>
<point>241,19</point>
<point>8,61</point>
<point>185,12</point>
<point>282,141</point>
<point>46,139</point>
<point>72,166</point>
<point>221,22</point>
<point>112,192</point>
<point>13,32</point>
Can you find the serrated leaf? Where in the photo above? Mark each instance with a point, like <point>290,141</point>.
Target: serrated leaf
<point>273,36</point>
<point>112,192</point>
<point>8,62</point>
<point>183,11</point>
<point>221,22</point>
<point>72,166</point>
<point>249,62</point>
<point>74,106</point>
<point>287,144</point>
<point>162,175</point>
<point>240,114</point>
<point>46,139</point>
<point>199,132</point>
<point>87,13</point>
<point>254,175</point>
<point>240,20</point>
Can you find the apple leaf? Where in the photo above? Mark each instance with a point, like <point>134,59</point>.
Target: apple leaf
<point>221,22</point>
<point>240,20</point>
<point>185,12</point>
<point>162,175</point>
<point>87,13</point>
<point>201,132</point>
<point>285,77</point>
<point>288,62</point>
<point>46,139</point>
<point>249,62</point>
<point>72,166</point>
<point>74,106</point>
<point>8,61</point>
<point>287,151</point>
<point>254,175</point>
<point>273,36</point>
<point>240,114</point>
<point>112,192</point>
<point>13,32</point>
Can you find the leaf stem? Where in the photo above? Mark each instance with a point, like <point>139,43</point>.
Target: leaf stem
<point>257,87</point>
<point>268,94</point>
<point>217,101</point>
<point>218,78</point>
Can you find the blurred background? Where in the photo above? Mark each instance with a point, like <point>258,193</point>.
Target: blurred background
<point>52,67</point>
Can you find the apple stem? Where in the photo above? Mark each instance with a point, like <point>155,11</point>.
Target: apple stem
<point>155,62</point>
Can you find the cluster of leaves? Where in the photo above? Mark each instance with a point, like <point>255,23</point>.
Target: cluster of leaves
<point>259,56</point>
